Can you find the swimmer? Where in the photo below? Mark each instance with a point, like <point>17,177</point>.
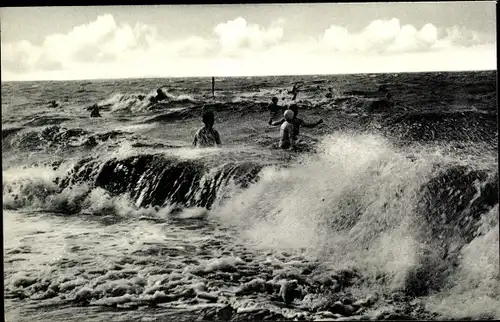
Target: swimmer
<point>330,92</point>
<point>295,90</point>
<point>274,109</point>
<point>297,122</point>
<point>207,136</point>
<point>287,140</point>
<point>95,111</point>
<point>160,95</point>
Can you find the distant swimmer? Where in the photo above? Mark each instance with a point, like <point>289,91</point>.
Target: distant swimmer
<point>295,90</point>
<point>160,95</point>
<point>287,139</point>
<point>207,136</point>
<point>297,122</point>
<point>330,92</point>
<point>53,104</point>
<point>274,109</point>
<point>95,111</point>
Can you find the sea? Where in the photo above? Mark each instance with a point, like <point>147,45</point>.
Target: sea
<point>387,210</point>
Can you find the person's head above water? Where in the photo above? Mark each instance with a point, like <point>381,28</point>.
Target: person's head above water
<point>275,100</point>
<point>288,115</point>
<point>208,118</point>
<point>295,109</point>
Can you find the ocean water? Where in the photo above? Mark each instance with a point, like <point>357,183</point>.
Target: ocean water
<point>390,211</point>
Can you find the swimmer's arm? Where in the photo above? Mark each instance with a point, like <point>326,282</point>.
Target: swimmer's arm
<point>277,122</point>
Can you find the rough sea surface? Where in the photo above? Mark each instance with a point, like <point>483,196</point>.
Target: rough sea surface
<point>389,212</point>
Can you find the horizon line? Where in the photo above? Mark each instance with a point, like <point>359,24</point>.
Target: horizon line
<point>243,76</point>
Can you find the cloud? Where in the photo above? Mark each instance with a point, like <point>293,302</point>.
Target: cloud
<point>389,36</point>
<point>19,56</point>
<point>466,38</point>
<point>99,41</point>
<point>102,49</point>
<point>237,36</point>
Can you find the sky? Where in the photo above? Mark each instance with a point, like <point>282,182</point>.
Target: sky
<point>102,42</point>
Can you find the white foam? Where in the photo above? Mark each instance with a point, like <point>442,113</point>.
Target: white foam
<point>134,127</point>
<point>125,102</point>
<point>193,213</point>
<point>29,186</point>
<point>359,178</point>
<point>475,287</point>
<point>216,264</point>
<point>191,154</point>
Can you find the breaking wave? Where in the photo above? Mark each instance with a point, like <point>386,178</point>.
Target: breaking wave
<point>139,102</point>
<point>415,222</point>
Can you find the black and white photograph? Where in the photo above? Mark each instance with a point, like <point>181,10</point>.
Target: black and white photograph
<point>250,161</point>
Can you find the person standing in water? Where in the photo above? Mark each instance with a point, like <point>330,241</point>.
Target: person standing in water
<point>295,90</point>
<point>287,140</point>
<point>207,136</point>
<point>297,122</point>
<point>95,111</point>
<point>274,109</point>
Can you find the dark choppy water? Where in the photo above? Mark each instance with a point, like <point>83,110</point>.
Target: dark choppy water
<point>393,212</point>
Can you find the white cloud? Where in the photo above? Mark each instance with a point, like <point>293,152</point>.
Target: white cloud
<point>19,56</point>
<point>98,41</point>
<point>104,49</point>
<point>463,37</point>
<point>237,36</point>
<point>389,36</point>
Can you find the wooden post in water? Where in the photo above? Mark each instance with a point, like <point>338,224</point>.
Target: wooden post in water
<point>213,86</point>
